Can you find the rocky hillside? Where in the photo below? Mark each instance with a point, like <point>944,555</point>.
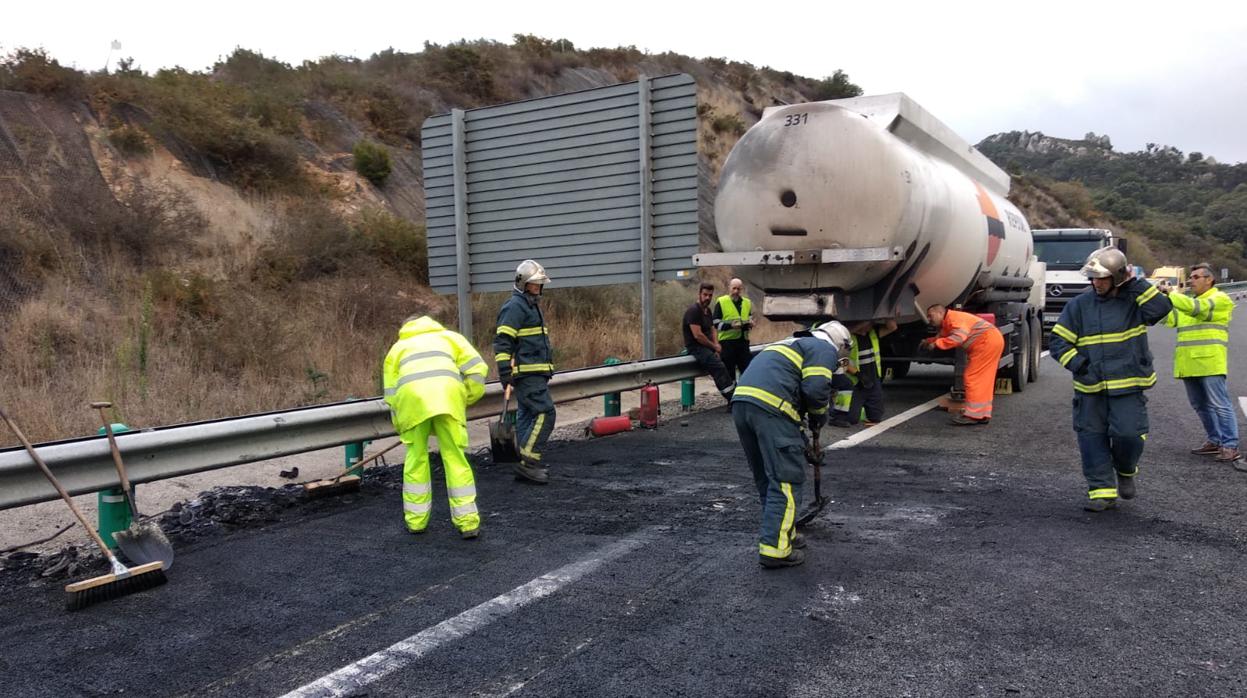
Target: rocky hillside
<point>1176,208</point>
<point>199,244</point>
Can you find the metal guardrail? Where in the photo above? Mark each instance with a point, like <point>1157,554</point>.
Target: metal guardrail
<point>85,465</point>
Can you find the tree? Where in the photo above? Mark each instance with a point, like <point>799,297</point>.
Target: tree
<point>1227,216</point>
<point>838,86</point>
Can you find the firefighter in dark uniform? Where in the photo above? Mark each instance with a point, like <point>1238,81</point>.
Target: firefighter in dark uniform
<point>864,400</point>
<point>733,317</point>
<point>1101,337</point>
<point>522,350</point>
<point>787,383</point>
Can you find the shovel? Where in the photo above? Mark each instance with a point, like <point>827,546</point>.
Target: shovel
<point>143,542</point>
<point>502,435</point>
<point>814,456</point>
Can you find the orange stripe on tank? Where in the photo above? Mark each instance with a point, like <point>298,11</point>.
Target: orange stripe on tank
<point>985,203</point>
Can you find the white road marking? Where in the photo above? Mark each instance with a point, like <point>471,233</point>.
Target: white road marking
<point>350,679</point>
<point>871,432</point>
<point>1242,402</point>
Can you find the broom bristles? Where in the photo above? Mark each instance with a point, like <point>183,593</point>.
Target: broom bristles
<point>85,593</point>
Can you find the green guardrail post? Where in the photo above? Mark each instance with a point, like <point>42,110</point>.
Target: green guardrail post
<point>354,454</point>
<point>688,391</point>
<point>114,511</point>
<point>611,401</point>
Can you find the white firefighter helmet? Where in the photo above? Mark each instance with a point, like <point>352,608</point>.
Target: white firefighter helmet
<point>835,334</point>
<point>1107,262</point>
<point>530,272</point>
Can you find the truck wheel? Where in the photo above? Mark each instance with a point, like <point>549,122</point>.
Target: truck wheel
<point>1019,372</point>
<point>1036,348</point>
<point>899,369</point>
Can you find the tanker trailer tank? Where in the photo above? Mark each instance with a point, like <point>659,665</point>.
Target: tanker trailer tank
<point>870,208</point>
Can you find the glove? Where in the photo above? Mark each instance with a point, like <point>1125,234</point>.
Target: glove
<point>505,381</point>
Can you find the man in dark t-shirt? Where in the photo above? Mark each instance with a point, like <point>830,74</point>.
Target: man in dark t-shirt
<point>701,341</point>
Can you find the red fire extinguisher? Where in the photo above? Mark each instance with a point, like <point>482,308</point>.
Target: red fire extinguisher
<point>648,416</point>
<point>604,426</point>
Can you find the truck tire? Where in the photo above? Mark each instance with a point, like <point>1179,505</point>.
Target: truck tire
<point>1036,351</point>
<point>899,369</point>
<point>1019,372</point>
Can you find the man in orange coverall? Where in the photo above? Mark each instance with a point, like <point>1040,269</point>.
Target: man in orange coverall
<point>983,344</point>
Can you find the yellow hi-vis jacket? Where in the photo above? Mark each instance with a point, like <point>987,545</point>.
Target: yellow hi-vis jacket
<point>1203,326</point>
<point>429,371</point>
<point>727,311</point>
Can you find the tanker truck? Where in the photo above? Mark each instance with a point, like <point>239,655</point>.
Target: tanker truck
<point>868,209</point>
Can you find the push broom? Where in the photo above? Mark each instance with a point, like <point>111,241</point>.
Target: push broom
<point>344,481</point>
<point>122,580</point>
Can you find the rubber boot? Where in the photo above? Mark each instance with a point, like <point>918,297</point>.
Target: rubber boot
<point>794,558</point>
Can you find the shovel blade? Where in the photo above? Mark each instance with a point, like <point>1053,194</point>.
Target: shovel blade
<point>816,508</point>
<point>502,442</point>
<point>144,543</point>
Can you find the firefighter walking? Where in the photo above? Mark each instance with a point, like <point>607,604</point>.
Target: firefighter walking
<point>787,383</point>
<point>983,344</point>
<point>431,376</point>
<point>522,351</point>
<point>1101,338</point>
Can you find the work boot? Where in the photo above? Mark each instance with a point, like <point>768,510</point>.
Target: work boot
<point>794,558</point>
<point>1125,487</point>
<point>415,531</point>
<point>470,534</point>
<point>841,423</point>
<point>527,471</point>
<point>963,421</point>
<point>1208,449</point>
<point>798,540</point>
<point>1102,504</point>
<point>1228,455</point>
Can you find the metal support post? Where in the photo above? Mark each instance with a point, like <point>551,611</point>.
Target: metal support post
<point>688,391</point>
<point>462,268</point>
<point>114,511</point>
<point>647,221</point>
<point>611,401</point>
<point>354,454</point>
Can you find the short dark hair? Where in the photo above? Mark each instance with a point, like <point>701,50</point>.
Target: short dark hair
<point>706,286</point>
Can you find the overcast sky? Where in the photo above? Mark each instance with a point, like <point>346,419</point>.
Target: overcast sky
<point>1173,73</point>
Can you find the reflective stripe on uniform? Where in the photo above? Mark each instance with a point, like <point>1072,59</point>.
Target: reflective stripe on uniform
<point>1117,384</point>
<point>417,488</point>
<point>475,377</point>
<point>1201,342</point>
<point>463,510</point>
<point>1068,356</point>
<point>391,392</point>
<point>532,331</point>
<point>1147,295</point>
<point>790,511</point>
<point>815,371</point>
<point>1111,337</point>
<point>531,368</point>
<point>1203,326</point>
<point>504,329</point>
<point>435,373</point>
<point>475,360</point>
<point>1065,333</point>
<point>418,507</point>
<point>502,357</point>
<point>532,435</point>
<point>769,398</point>
<point>1103,493</point>
<point>426,355</point>
<point>788,352</point>
<point>465,491</point>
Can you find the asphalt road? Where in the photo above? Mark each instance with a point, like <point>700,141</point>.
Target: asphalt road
<point>950,562</point>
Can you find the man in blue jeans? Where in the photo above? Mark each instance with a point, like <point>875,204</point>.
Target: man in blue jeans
<point>1201,361</point>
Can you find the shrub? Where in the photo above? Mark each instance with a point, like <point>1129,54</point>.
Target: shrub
<point>310,241</point>
<point>837,86</point>
<point>33,70</point>
<point>129,140</point>
<point>372,161</point>
<point>396,242</point>
<point>728,123</point>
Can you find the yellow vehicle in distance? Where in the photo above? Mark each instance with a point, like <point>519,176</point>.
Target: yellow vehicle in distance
<point>1174,277</point>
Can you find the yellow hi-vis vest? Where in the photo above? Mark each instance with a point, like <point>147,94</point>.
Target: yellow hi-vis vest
<point>1203,326</point>
<point>728,310</point>
<point>874,356</point>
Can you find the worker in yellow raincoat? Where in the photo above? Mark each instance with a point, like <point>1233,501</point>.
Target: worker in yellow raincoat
<point>431,376</point>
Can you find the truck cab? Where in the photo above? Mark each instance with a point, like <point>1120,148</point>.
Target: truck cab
<point>1173,276</point>
<point>1065,250</point>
